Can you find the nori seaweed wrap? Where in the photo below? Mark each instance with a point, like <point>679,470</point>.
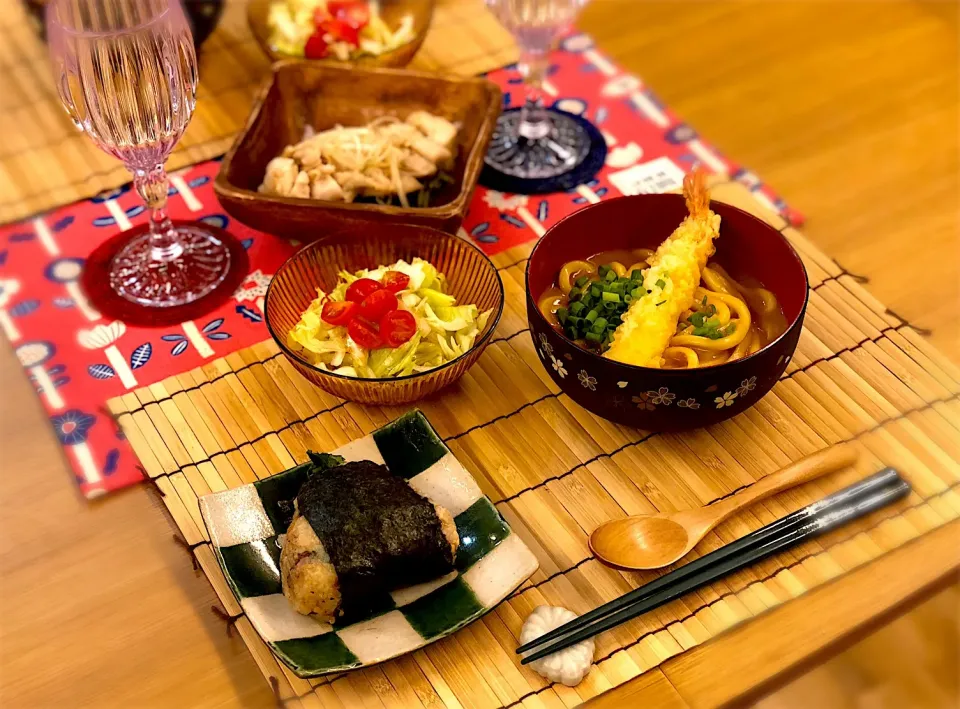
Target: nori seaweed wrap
<point>375,531</point>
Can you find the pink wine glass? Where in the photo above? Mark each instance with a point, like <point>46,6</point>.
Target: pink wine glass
<point>126,72</point>
<point>536,142</point>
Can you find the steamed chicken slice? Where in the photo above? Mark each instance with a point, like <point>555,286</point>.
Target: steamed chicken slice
<point>409,183</point>
<point>319,172</point>
<point>405,135</point>
<point>326,188</point>
<point>308,153</point>
<point>399,134</point>
<point>301,186</point>
<point>431,150</point>
<point>417,165</point>
<point>361,183</point>
<point>437,129</point>
<point>370,183</point>
<point>280,176</point>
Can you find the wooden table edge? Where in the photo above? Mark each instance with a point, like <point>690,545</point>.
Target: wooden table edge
<point>756,661</point>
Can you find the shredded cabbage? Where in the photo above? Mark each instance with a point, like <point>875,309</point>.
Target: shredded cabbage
<point>445,330</point>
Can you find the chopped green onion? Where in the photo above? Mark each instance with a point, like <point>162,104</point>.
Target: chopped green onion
<point>660,283</point>
<point>597,304</point>
<point>704,301</point>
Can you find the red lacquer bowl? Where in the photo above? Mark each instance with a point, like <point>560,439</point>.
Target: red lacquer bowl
<point>663,399</point>
<point>471,277</point>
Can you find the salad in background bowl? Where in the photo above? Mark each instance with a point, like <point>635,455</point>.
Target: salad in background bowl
<point>378,32</point>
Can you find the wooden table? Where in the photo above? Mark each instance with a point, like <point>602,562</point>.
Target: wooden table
<point>848,109</point>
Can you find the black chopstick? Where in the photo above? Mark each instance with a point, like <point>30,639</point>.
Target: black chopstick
<point>828,514</point>
<point>886,477</point>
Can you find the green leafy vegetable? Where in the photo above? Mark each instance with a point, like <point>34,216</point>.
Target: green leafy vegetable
<point>324,461</point>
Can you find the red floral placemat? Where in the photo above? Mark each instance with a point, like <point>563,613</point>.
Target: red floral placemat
<point>77,360</point>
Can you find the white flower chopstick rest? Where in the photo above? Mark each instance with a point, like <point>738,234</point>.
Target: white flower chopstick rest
<point>567,666</point>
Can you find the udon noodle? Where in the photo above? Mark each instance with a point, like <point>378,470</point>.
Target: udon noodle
<point>729,320</point>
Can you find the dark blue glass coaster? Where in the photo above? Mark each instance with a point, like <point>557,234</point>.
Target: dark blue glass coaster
<point>526,157</point>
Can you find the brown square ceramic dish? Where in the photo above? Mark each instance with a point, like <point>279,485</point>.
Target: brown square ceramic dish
<point>304,92</point>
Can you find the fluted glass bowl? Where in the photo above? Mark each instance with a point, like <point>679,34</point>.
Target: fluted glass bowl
<point>471,278</point>
<point>392,11</point>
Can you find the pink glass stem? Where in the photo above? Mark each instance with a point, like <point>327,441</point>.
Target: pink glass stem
<point>152,187</point>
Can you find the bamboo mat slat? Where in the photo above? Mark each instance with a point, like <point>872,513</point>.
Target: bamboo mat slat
<point>45,161</point>
<point>860,374</point>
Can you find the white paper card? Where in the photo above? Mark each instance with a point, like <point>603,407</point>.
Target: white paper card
<point>654,177</point>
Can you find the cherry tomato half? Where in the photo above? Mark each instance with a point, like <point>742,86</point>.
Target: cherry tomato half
<point>378,304</point>
<point>316,47</point>
<point>364,333</point>
<point>355,13</point>
<point>338,312</point>
<point>340,31</point>
<point>397,327</point>
<point>394,281</point>
<point>361,288</point>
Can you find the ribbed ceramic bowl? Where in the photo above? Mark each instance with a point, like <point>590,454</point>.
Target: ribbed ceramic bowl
<point>665,399</point>
<point>471,277</point>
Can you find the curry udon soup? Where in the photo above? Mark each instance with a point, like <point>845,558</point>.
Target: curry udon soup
<point>728,320</point>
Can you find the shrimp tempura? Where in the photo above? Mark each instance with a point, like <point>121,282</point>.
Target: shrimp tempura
<point>670,281</point>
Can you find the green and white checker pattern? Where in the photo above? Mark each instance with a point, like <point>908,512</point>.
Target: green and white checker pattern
<point>247,526</point>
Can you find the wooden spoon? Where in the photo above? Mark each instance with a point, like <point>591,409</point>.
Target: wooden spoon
<point>652,541</point>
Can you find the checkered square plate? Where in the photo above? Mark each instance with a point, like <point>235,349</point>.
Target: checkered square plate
<point>247,526</point>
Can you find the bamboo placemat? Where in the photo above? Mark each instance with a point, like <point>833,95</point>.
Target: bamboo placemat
<point>860,373</point>
<point>45,161</point>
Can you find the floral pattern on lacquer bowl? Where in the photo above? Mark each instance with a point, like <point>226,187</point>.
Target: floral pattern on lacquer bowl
<point>662,399</point>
